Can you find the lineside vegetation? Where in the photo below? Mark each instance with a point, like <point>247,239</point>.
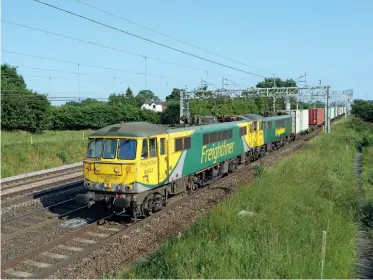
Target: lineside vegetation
<point>47,150</point>
<point>289,206</point>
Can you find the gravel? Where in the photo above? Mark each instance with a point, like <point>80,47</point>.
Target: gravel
<point>31,185</point>
<point>23,176</point>
<point>30,205</point>
<point>112,257</point>
<point>28,241</point>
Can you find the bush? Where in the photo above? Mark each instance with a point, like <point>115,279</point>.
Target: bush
<point>363,109</point>
<point>21,108</point>
<point>98,115</point>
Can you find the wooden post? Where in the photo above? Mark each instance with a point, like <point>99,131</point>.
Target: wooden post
<point>323,253</point>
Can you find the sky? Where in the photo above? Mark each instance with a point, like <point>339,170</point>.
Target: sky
<point>331,41</point>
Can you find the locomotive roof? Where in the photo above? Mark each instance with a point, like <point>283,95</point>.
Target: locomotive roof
<point>207,127</point>
<point>254,117</point>
<point>274,118</point>
<point>131,129</point>
<point>144,129</point>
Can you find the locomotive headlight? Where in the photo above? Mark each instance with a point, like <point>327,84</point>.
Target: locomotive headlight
<point>89,184</point>
<point>116,170</point>
<point>129,187</point>
<point>97,168</point>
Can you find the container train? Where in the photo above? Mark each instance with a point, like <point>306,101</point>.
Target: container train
<point>134,168</point>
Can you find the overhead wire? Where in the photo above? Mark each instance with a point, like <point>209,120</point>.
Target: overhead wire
<point>102,46</point>
<point>89,65</point>
<point>172,37</point>
<point>54,98</point>
<point>109,47</point>
<point>59,71</point>
<point>61,78</point>
<point>146,39</point>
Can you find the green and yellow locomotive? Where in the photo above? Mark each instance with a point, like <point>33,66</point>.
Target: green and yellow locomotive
<point>135,167</point>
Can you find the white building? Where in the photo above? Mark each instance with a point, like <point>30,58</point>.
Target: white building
<point>156,106</point>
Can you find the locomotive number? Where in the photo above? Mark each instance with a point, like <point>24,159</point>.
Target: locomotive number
<point>147,171</point>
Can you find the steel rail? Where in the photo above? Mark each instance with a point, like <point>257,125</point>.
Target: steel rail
<point>47,221</point>
<point>46,188</point>
<point>39,177</point>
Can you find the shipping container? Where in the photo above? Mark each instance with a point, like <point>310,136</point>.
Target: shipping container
<point>332,113</point>
<point>304,116</point>
<point>299,120</point>
<point>316,116</point>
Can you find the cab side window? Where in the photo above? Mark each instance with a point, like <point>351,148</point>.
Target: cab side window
<point>162,150</point>
<point>255,126</point>
<point>144,151</point>
<point>152,147</point>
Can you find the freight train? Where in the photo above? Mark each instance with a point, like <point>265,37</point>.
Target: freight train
<point>134,168</point>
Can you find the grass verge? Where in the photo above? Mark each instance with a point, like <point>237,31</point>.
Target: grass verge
<point>49,149</point>
<point>290,206</point>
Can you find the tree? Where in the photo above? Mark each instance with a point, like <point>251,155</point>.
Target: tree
<point>270,83</point>
<point>11,81</point>
<point>83,102</point>
<point>175,95</point>
<point>129,93</point>
<point>146,95</point>
<point>172,113</point>
<point>363,109</point>
<point>117,98</point>
<point>22,108</point>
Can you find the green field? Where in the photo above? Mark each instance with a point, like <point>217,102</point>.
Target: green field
<point>49,149</point>
<point>305,194</point>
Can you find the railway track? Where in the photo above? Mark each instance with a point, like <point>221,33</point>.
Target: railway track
<point>34,220</point>
<point>76,244</point>
<point>41,184</point>
<point>7,183</point>
<point>50,257</point>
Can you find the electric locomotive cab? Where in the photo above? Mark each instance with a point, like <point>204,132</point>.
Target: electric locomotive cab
<point>109,169</point>
<point>120,169</point>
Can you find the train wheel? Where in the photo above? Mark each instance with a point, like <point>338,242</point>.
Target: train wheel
<point>157,203</point>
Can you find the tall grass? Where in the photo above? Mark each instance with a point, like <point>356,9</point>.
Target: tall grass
<point>293,203</point>
<point>51,136</point>
<point>49,149</point>
<point>368,171</point>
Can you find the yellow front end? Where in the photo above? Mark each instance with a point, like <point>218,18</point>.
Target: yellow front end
<point>109,176</point>
<point>111,164</point>
<point>125,165</point>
